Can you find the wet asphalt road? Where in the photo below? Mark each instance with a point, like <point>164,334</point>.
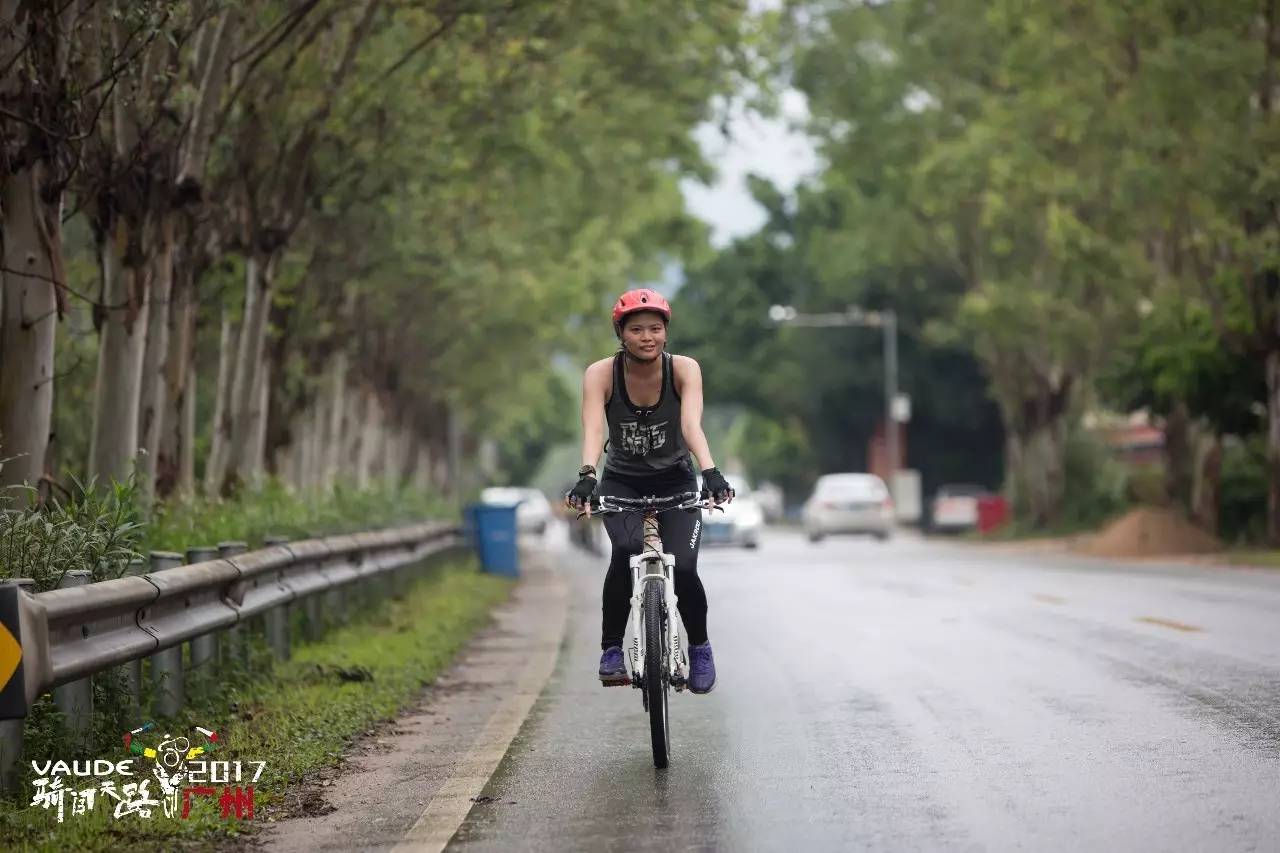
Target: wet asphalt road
<point>919,696</point>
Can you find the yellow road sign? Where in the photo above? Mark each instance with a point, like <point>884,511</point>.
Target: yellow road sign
<point>13,698</point>
<point>10,655</point>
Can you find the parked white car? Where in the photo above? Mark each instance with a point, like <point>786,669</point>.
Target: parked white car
<point>739,523</point>
<point>955,507</point>
<point>533,510</point>
<point>848,503</point>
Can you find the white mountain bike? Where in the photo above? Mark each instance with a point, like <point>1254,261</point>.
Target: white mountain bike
<point>656,661</point>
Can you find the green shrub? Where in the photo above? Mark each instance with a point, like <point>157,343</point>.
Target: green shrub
<point>275,510</point>
<point>1095,483</point>
<point>95,529</point>
<point>99,528</point>
<point>1146,485</point>
<point>1243,500</point>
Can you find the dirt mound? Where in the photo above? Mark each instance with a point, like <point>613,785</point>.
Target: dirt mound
<point>1150,532</point>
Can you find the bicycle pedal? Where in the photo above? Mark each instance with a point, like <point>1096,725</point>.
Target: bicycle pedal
<point>615,682</point>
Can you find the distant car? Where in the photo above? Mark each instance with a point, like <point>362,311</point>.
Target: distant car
<point>848,503</point>
<point>955,507</point>
<point>739,523</point>
<point>770,498</point>
<point>533,510</point>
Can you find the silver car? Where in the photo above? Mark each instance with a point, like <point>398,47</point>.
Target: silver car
<point>848,503</point>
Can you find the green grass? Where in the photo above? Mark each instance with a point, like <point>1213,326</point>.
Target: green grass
<point>1269,559</point>
<point>296,716</point>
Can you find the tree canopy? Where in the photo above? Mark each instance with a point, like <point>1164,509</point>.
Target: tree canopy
<point>364,226</point>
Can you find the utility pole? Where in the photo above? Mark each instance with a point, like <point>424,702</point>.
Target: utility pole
<point>890,326</point>
<point>887,320</point>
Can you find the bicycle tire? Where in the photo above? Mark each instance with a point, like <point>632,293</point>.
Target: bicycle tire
<point>655,682</point>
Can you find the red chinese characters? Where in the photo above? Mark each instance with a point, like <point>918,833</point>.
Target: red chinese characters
<point>233,799</point>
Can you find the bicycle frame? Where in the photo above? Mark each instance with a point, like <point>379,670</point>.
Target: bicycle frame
<point>652,563</point>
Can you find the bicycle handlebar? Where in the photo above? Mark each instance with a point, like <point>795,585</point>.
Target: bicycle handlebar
<point>610,505</point>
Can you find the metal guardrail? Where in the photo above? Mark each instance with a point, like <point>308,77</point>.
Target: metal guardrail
<point>67,635</point>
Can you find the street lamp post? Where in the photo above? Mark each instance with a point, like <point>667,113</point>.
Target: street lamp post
<point>786,315</point>
<point>890,326</point>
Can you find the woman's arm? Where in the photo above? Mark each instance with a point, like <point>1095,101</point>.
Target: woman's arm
<point>594,391</point>
<point>689,380</point>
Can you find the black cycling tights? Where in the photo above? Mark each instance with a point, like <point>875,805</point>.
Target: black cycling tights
<point>681,533</point>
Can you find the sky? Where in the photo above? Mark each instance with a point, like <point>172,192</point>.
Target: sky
<point>768,146</point>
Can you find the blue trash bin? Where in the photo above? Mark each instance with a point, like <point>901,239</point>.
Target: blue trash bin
<point>496,537</point>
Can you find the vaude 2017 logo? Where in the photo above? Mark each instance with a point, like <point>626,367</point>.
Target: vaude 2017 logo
<point>181,768</point>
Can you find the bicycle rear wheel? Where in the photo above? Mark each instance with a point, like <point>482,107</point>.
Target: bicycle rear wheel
<point>655,681</point>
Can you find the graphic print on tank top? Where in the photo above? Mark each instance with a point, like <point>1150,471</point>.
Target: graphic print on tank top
<point>639,439</point>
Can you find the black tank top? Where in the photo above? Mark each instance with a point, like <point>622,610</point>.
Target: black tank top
<point>645,441</point>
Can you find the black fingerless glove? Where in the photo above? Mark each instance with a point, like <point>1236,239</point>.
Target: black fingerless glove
<point>581,493</point>
<point>716,486</point>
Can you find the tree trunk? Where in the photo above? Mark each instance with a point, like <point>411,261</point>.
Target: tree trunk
<point>215,468</point>
<point>175,436</point>
<point>1038,472</point>
<point>245,392</point>
<point>456,439</point>
<point>1208,486</point>
<point>28,325</point>
<point>211,65</point>
<point>302,450</point>
<point>332,440</point>
<point>1273,446</point>
<point>393,455</point>
<point>316,450</point>
<point>186,485</point>
<point>368,428</point>
<point>113,446</point>
<point>351,434</point>
<point>1035,424</point>
<point>441,469</point>
<point>421,463</point>
<point>154,393</point>
<point>255,469</point>
<point>1179,451</point>
<point>1010,485</point>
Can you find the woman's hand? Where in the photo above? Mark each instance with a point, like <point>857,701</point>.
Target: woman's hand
<point>579,497</point>
<point>716,486</point>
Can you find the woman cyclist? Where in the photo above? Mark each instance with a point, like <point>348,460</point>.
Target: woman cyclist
<point>652,403</point>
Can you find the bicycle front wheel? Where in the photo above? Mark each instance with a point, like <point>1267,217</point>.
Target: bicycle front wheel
<point>655,681</point>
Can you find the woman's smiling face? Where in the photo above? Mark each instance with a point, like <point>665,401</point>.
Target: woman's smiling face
<point>644,334</point>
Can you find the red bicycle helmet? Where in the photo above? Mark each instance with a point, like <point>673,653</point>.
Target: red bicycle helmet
<point>643,299</point>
